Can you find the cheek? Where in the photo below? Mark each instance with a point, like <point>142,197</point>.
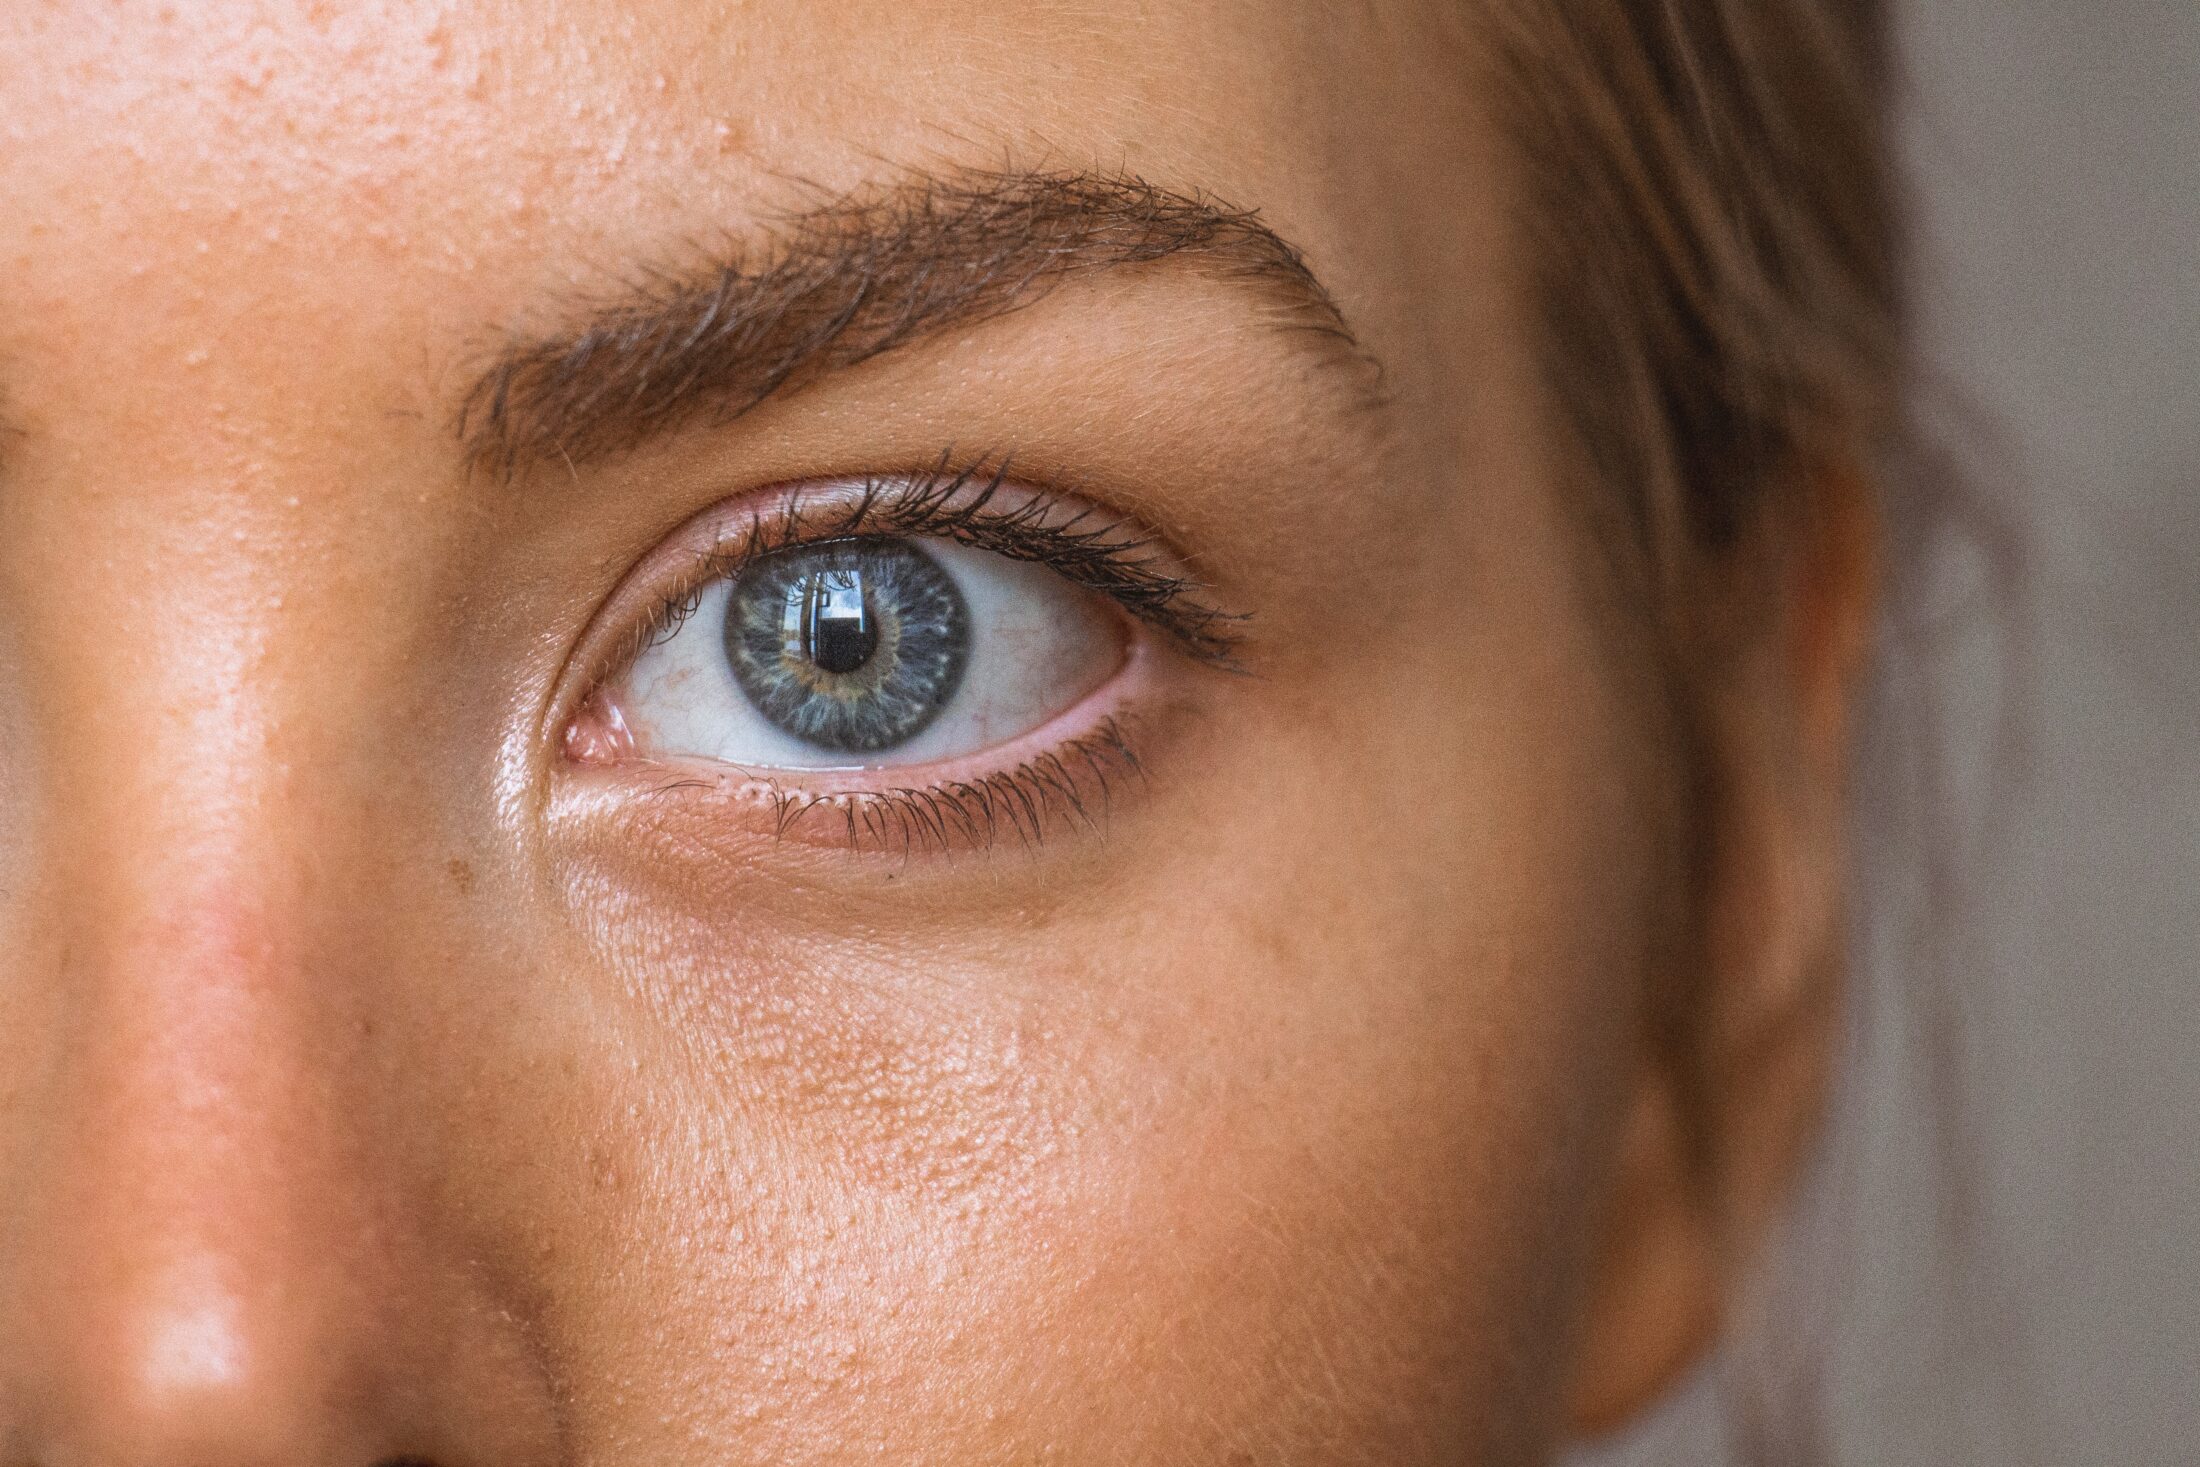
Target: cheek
<point>1281,1134</point>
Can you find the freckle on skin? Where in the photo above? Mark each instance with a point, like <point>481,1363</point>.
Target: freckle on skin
<point>462,876</point>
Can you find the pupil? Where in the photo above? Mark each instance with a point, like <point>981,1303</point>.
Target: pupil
<point>838,633</point>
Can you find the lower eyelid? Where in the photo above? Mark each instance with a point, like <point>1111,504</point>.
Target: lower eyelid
<point>1071,774</point>
<point>1072,785</point>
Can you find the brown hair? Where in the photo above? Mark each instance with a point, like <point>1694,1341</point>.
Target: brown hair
<point>1716,255</point>
<point>1715,243</point>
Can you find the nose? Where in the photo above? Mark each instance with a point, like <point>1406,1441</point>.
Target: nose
<point>221,1245</point>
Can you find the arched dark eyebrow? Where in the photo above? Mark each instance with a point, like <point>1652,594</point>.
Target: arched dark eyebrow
<point>846,282</point>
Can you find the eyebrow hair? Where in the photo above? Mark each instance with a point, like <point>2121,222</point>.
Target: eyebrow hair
<point>848,281</point>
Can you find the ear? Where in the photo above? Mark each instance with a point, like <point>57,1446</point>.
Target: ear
<point>1737,1060</point>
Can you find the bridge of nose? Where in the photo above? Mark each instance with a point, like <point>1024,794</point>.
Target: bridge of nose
<point>223,1241</point>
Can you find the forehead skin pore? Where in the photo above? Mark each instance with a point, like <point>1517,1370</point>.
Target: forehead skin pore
<point>1253,1132</point>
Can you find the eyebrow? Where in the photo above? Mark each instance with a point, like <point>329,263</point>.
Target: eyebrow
<point>851,280</point>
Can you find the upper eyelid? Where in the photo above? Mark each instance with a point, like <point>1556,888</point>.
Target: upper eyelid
<point>983,506</point>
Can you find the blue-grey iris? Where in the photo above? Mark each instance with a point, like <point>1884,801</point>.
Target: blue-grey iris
<point>851,645</point>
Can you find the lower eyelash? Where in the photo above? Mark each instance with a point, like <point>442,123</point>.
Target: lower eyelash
<point>1073,785</point>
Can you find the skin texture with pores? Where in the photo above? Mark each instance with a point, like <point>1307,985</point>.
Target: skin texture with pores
<point>380,1083</point>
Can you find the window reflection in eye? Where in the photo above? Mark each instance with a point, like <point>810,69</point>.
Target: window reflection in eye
<point>867,653</point>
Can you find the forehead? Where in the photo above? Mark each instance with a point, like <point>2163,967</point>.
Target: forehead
<point>260,157</point>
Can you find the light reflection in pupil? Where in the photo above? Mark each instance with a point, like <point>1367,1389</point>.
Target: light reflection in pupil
<point>829,623</point>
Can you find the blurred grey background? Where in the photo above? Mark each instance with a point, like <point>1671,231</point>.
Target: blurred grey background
<point>2055,145</point>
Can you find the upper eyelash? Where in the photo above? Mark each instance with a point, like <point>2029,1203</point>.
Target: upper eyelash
<point>1090,548</point>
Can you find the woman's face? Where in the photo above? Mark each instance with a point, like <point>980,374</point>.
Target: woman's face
<point>576,890</point>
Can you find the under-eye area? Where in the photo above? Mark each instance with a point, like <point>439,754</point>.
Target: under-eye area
<point>936,660</point>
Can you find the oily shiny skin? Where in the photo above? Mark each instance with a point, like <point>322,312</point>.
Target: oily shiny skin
<point>373,1087</point>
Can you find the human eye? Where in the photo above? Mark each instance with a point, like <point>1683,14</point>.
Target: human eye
<point>930,659</point>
